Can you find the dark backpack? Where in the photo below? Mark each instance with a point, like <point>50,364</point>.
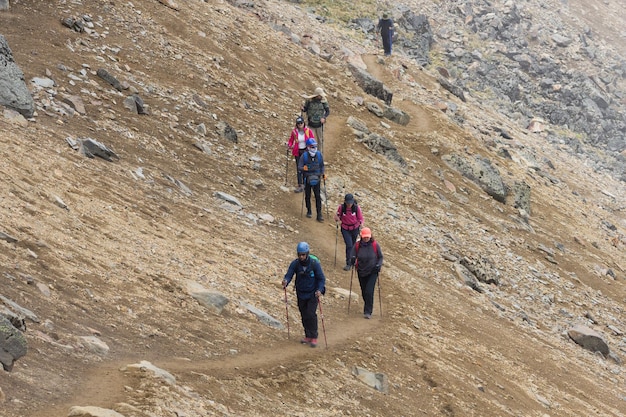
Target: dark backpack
<point>343,208</point>
<point>358,245</point>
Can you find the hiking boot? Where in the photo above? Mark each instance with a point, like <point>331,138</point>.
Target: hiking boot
<point>309,214</point>
<point>347,267</point>
<point>367,316</point>
<point>306,341</point>
<point>320,219</point>
<point>313,343</point>
<point>298,189</point>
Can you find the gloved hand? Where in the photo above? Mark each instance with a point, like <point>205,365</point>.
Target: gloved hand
<point>324,176</point>
<point>317,294</point>
<point>305,168</point>
<point>377,268</point>
<point>285,283</point>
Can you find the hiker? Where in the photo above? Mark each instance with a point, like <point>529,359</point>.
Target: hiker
<point>351,218</point>
<point>311,165</point>
<point>385,28</point>
<point>297,144</point>
<point>367,257</point>
<point>310,284</point>
<point>317,110</point>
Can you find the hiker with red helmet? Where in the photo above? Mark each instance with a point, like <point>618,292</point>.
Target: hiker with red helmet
<point>311,165</point>
<point>367,257</point>
<point>310,285</point>
<point>351,218</point>
<point>297,143</point>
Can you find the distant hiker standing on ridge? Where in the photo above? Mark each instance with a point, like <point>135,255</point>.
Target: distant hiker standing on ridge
<point>385,27</point>
<point>351,218</point>
<point>310,284</point>
<point>311,164</point>
<point>367,257</point>
<point>317,110</point>
<point>297,143</point>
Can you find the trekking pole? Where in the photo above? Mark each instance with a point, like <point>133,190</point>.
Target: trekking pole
<point>336,237</point>
<point>350,293</point>
<point>325,195</point>
<point>287,311</point>
<point>303,193</point>
<point>287,167</point>
<point>380,297</point>
<point>319,303</point>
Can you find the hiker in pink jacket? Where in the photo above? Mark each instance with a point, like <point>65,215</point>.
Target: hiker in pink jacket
<point>297,144</point>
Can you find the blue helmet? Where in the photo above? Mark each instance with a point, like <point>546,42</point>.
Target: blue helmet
<point>303,247</point>
<point>310,142</point>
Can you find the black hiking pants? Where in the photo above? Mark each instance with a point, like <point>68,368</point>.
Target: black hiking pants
<point>368,284</point>
<point>308,311</point>
<point>318,198</point>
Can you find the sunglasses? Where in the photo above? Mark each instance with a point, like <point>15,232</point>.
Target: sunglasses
<point>312,147</point>
<point>300,123</point>
<point>300,255</point>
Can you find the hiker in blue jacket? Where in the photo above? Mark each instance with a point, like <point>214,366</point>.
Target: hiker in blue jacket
<point>367,257</point>
<point>310,284</point>
<point>311,164</point>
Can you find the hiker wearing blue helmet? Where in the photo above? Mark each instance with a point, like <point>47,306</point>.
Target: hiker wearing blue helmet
<point>310,284</point>
<point>311,165</point>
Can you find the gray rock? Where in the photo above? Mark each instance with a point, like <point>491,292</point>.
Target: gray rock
<point>92,148</point>
<point>263,316</point>
<point>357,124</point>
<point>396,115</point>
<point>521,196</point>
<point>374,108</point>
<point>227,132</point>
<point>384,147</point>
<point>104,74</point>
<point>588,339</point>
<point>155,370</point>
<point>378,381</point>
<point>13,91</point>
<point>229,198</point>
<point>371,85</point>
<point>454,89</point>
<point>91,411</point>
<point>482,172</point>
<point>7,238</point>
<point>4,4</point>
<point>12,344</point>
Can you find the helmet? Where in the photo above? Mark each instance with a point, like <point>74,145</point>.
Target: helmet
<point>311,142</point>
<point>303,247</point>
<point>366,232</point>
<point>299,120</point>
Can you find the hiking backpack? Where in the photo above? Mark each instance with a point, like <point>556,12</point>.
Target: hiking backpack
<point>353,209</point>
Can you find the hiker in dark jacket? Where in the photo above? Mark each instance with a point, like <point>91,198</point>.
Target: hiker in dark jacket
<point>351,218</point>
<point>311,164</point>
<point>310,284</point>
<point>367,257</point>
<point>317,111</point>
<point>385,27</point>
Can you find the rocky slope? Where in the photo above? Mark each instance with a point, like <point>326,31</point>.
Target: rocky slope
<point>119,263</point>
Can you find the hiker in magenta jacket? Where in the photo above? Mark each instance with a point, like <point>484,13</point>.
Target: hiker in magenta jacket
<point>297,144</point>
<point>368,259</point>
<point>351,218</point>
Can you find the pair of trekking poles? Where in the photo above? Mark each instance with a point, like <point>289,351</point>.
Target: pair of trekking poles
<point>319,304</point>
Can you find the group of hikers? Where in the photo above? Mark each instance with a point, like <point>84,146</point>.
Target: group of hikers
<point>364,254</point>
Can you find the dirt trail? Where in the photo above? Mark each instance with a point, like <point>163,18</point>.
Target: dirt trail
<point>104,385</point>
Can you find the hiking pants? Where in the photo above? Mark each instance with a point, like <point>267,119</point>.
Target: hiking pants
<point>318,197</point>
<point>368,284</point>
<point>318,133</point>
<point>387,39</point>
<point>349,237</point>
<point>300,173</point>
<point>308,311</point>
